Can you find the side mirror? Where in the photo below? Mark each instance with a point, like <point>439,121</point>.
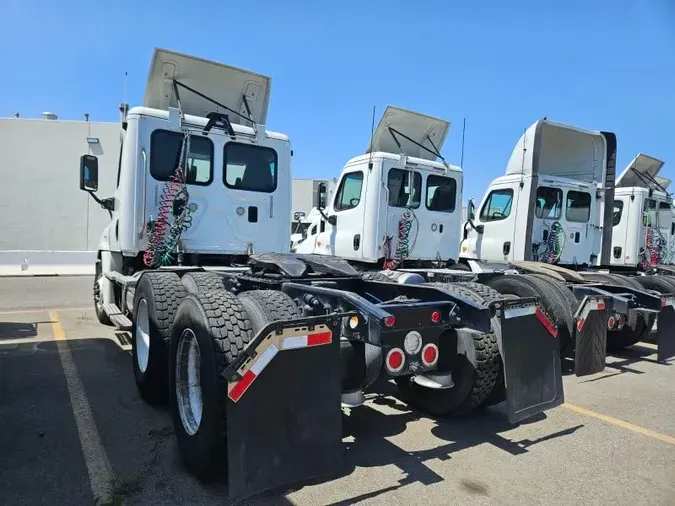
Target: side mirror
<point>320,196</point>
<point>298,215</point>
<point>471,211</point>
<point>89,173</point>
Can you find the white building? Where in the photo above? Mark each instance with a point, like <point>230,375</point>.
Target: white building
<point>46,220</point>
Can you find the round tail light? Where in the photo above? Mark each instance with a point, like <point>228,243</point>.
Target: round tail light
<point>611,322</point>
<point>389,320</point>
<point>395,360</point>
<point>436,316</point>
<point>430,354</point>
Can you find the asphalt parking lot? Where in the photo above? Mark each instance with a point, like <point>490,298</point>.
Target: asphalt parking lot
<point>74,430</point>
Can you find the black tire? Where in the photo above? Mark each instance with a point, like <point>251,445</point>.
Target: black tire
<point>266,306</point>
<point>197,282</point>
<point>551,301</point>
<point>474,380</point>
<point>489,295</point>
<point>222,330</point>
<point>98,303</point>
<point>161,293</point>
<point>625,337</point>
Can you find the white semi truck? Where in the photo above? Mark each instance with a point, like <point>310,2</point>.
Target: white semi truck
<point>253,346</point>
<point>396,215</point>
<point>557,209</point>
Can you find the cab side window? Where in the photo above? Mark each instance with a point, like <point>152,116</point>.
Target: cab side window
<point>549,203</point>
<point>349,193</point>
<point>618,211</point>
<point>497,206</point>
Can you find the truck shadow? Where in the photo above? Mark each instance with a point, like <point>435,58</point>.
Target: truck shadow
<point>371,429</point>
<point>20,330</point>
<point>140,444</point>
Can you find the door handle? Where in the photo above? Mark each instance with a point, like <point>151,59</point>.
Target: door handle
<point>357,242</point>
<point>506,248</point>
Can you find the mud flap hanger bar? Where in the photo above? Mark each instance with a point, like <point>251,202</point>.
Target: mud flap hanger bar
<point>333,321</point>
<point>621,299</point>
<point>465,311</point>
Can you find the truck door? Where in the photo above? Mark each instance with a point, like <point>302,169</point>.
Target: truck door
<point>582,234</point>
<point>498,218</point>
<point>345,239</point>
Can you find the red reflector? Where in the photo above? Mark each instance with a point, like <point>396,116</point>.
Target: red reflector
<point>390,320</point>
<point>319,338</point>
<point>601,304</point>
<point>430,354</point>
<point>242,385</point>
<point>580,324</point>
<point>546,323</point>
<point>436,316</point>
<point>395,359</point>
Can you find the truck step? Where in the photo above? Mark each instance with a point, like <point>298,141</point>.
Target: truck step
<point>116,316</point>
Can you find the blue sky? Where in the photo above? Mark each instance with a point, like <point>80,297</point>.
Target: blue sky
<point>597,64</point>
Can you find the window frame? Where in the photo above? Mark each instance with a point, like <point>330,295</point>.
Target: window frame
<point>340,190</point>
<point>620,204</point>
<point>567,208</point>
<point>559,213</point>
<point>172,132</point>
<point>488,219</point>
<point>454,194</point>
<point>417,178</point>
<point>253,146</point>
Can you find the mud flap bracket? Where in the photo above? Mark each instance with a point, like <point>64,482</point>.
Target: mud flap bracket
<point>284,422</point>
<point>531,356</point>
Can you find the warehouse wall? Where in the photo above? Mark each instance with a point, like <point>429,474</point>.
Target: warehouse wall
<point>41,204</point>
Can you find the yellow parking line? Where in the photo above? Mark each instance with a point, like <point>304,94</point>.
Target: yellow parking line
<point>621,423</point>
<point>96,460</point>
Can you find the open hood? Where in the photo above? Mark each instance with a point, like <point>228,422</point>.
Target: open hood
<point>640,172</point>
<point>415,125</point>
<point>222,83</point>
<point>560,150</point>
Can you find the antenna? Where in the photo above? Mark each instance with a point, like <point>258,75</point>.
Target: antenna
<point>124,100</point>
<point>372,132</point>
<point>461,162</point>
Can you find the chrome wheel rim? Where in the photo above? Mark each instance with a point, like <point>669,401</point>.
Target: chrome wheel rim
<point>188,382</point>
<point>142,336</point>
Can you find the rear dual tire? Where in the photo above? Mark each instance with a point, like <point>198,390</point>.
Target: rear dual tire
<point>475,371</point>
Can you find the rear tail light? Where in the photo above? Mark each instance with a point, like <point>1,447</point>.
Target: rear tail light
<point>611,322</point>
<point>430,354</point>
<point>395,360</point>
<point>389,320</point>
<point>412,344</point>
<point>436,316</point>
<point>622,320</point>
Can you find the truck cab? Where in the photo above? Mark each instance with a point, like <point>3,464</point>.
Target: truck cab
<point>549,205</point>
<point>392,195</point>
<point>643,228</point>
<point>198,172</point>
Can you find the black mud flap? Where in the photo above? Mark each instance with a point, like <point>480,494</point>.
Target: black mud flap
<point>665,332</point>
<point>590,343</point>
<point>530,352</point>
<point>284,417</point>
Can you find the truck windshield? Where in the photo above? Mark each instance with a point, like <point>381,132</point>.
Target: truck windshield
<point>249,167</point>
